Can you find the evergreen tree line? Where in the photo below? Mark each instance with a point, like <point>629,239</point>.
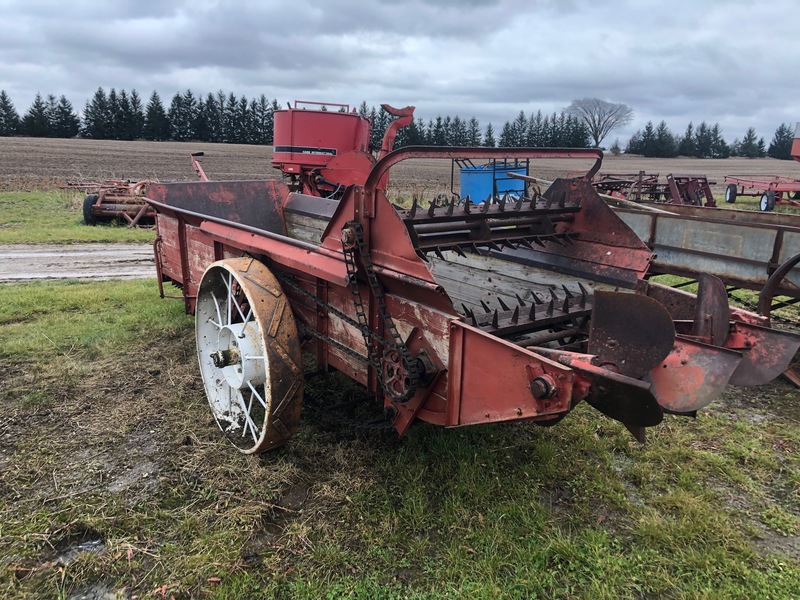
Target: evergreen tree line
<point>534,131</point>
<point>225,117</point>
<point>706,142</point>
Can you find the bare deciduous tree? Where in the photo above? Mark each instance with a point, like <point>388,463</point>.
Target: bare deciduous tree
<point>600,117</point>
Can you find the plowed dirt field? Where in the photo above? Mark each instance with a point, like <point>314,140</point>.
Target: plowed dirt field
<point>35,163</point>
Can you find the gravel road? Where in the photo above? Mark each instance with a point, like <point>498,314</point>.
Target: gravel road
<point>24,262</point>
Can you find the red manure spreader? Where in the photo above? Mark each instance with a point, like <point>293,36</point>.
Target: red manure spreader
<point>454,313</point>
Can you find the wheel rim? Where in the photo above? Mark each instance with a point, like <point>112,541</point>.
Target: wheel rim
<point>249,354</point>
<point>764,204</point>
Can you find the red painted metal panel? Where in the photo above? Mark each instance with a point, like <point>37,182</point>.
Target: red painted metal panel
<point>490,380</point>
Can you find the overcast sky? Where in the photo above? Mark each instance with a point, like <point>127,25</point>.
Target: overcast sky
<point>733,62</point>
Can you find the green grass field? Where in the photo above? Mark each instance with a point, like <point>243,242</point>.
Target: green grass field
<point>55,218</point>
<point>106,444</point>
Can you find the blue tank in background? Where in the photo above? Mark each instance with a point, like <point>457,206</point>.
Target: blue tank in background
<point>480,181</point>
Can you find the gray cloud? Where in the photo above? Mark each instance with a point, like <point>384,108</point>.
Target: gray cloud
<point>717,61</point>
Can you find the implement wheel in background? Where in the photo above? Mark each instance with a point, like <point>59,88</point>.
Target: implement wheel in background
<point>767,202</point>
<point>249,354</point>
<point>88,203</point>
<point>730,193</point>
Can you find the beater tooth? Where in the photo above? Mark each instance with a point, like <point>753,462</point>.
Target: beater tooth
<point>493,246</point>
<point>567,292</point>
<point>525,243</point>
<point>432,209</point>
<point>467,205</point>
<point>518,204</point>
<point>584,295</point>
<point>457,249</point>
<point>485,306</point>
<point>503,304</point>
<point>485,206</point>
<point>413,210</point>
<point>474,320</point>
<point>536,299</point>
<point>502,203</point>
<point>532,313</point>
<point>557,239</point>
<point>520,301</point>
<point>423,255</point>
<point>515,316</point>
<point>468,311</point>
<point>438,252</point>
<point>475,248</point>
<point>565,308</point>
<point>496,320</point>
<point>451,207</point>
<point>550,308</point>
<point>538,241</point>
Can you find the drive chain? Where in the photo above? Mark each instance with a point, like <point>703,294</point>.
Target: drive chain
<point>372,340</point>
<point>394,344</point>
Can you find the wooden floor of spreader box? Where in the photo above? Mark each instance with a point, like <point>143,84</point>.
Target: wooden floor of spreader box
<point>509,311</point>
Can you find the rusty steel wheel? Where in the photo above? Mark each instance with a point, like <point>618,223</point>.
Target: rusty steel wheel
<point>249,354</point>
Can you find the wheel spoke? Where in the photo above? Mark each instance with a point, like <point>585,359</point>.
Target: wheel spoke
<point>228,285</point>
<point>218,323</point>
<point>260,399</point>
<point>248,420</point>
<point>247,318</point>
<point>232,300</point>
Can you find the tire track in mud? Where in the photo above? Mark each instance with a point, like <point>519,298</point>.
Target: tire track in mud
<point>37,262</point>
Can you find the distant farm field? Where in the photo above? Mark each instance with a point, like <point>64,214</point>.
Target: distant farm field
<point>45,164</point>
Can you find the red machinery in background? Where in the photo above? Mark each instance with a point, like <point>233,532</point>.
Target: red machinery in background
<point>693,190</point>
<point>114,199</point>
<point>772,190</point>
<point>452,313</point>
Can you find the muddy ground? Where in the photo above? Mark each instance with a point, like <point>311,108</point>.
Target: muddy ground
<point>35,262</point>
